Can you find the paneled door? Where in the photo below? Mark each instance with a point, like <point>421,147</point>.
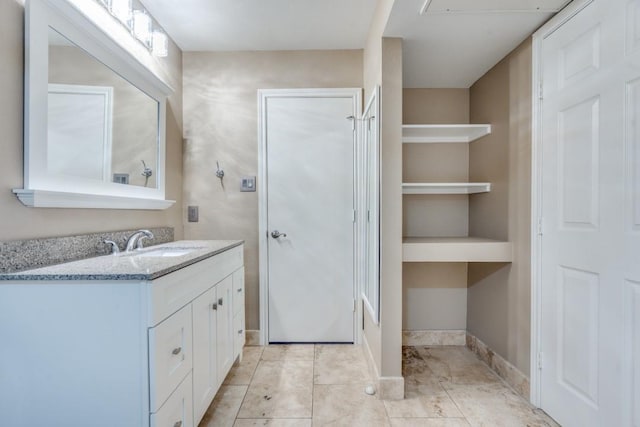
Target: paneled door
<point>308,144</point>
<point>590,217</point>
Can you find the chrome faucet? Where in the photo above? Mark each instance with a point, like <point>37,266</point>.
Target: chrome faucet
<point>135,240</point>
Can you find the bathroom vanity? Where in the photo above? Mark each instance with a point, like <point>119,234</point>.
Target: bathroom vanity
<point>137,339</point>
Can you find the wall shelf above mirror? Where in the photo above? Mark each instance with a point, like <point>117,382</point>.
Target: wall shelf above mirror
<point>438,134</point>
<point>94,114</point>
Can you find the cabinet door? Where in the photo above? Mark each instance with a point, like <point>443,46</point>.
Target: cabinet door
<point>224,328</point>
<point>238,290</point>
<point>205,382</point>
<point>177,410</point>
<point>170,355</point>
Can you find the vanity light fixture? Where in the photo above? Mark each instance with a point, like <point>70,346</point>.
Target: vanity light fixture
<point>122,10</point>
<point>140,24</point>
<point>160,44</point>
<point>142,27</point>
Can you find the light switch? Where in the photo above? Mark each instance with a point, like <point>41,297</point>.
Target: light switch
<point>192,213</point>
<point>248,183</point>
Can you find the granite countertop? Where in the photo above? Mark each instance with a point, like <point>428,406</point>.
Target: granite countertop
<point>146,264</point>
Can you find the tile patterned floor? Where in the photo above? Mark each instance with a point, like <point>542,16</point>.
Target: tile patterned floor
<point>323,385</point>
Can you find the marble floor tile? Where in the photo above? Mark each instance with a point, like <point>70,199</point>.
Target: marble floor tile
<point>284,373</point>
<point>347,405</point>
<point>224,408</point>
<point>423,399</point>
<point>242,373</point>
<point>275,401</point>
<point>340,364</point>
<point>288,352</point>
<point>496,405</point>
<point>429,422</point>
<point>280,389</point>
<point>293,422</point>
<point>455,366</point>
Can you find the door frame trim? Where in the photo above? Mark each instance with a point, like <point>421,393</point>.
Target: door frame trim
<point>536,191</point>
<point>263,96</point>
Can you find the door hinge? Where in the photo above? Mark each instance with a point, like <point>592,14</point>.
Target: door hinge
<point>355,216</point>
<point>353,122</point>
<point>541,92</point>
<point>368,216</point>
<point>540,226</point>
<point>354,305</point>
<point>540,361</point>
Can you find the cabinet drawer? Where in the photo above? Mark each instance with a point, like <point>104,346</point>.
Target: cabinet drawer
<point>238,333</point>
<point>238,290</point>
<point>170,355</point>
<point>177,411</point>
<point>175,290</point>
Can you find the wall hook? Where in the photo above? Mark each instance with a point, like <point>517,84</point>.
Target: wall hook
<point>220,174</point>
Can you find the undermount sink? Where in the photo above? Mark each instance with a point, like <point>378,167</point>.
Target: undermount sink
<point>163,252</point>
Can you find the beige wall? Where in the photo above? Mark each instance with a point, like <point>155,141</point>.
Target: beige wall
<point>220,107</point>
<point>435,294</point>
<point>20,222</point>
<point>499,303</point>
<point>383,66</point>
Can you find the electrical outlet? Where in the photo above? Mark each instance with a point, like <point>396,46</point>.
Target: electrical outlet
<point>248,183</point>
<point>192,213</point>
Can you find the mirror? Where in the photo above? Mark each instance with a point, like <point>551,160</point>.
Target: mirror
<point>371,145</point>
<point>94,113</point>
<point>100,126</point>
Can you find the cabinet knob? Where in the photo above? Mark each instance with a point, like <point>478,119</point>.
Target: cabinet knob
<point>239,290</point>
<point>177,424</point>
<point>214,306</point>
<point>220,301</point>
<point>176,351</point>
<point>240,332</point>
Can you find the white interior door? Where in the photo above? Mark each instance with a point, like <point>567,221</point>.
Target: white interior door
<point>309,162</point>
<point>590,251</point>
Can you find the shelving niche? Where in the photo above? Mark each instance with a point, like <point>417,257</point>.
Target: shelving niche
<point>459,248</point>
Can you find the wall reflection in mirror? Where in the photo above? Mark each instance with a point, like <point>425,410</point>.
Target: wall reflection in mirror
<point>100,126</point>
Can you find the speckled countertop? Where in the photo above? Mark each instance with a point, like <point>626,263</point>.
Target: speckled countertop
<point>146,264</point>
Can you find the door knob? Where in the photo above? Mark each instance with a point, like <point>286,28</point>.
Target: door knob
<point>276,234</point>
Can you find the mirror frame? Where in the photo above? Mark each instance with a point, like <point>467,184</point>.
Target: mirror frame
<point>371,117</point>
<point>41,188</point>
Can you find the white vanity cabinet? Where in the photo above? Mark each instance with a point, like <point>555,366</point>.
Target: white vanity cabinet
<point>121,352</point>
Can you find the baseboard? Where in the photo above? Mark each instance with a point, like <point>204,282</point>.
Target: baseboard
<point>505,370</point>
<point>252,337</point>
<point>434,337</point>
<point>387,388</point>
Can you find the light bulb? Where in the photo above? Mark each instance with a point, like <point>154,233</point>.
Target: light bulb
<point>160,44</point>
<point>122,9</point>
<point>142,27</point>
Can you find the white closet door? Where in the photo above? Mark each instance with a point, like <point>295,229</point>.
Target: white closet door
<point>589,251</point>
<point>310,184</point>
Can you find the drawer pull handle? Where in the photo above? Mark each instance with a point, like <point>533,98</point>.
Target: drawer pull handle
<point>215,306</point>
<point>175,352</point>
<point>177,424</point>
<point>220,301</point>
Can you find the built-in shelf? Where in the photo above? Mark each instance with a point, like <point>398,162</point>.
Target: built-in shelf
<point>422,134</point>
<point>446,188</point>
<point>455,249</point>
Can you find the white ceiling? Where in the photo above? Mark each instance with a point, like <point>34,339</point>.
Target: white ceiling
<point>447,43</point>
<point>215,25</point>
<point>455,42</point>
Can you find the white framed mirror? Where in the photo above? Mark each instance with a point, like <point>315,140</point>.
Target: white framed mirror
<point>371,145</point>
<point>94,116</point>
